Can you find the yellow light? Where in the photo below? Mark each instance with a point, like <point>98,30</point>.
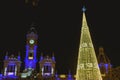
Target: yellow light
<point>87,65</point>
<point>62,76</point>
<point>30,57</point>
<point>103,75</point>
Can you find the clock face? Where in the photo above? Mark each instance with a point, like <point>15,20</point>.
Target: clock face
<point>31,41</point>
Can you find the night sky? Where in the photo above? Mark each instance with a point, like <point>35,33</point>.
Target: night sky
<point>58,24</point>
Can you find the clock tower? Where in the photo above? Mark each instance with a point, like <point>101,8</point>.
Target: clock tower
<point>31,49</point>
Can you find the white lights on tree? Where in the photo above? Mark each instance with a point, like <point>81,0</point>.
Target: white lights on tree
<point>81,66</point>
<point>84,44</point>
<point>87,66</point>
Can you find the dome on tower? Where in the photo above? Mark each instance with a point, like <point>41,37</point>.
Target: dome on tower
<point>102,58</point>
<point>32,30</point>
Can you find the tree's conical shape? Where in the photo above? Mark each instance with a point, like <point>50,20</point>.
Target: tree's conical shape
<point>87,66</point>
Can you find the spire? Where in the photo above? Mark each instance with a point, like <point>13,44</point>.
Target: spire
<point>102,58</point>
<point>104,64</point>
<point>84,21</point>
<point>87,65</point>
<point>6,56</point>
<point>69,74</point>
<point>53,58</point>
<point>32,28</point>
<point>41,57</point>
<point>18,55</point>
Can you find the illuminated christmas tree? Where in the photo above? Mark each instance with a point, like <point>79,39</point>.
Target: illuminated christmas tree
<point>87,66</point>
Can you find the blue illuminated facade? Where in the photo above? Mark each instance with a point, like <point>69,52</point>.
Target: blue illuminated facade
<point>30,61</point>
<point>11,67</point>
<point>31,49</point>
<point>46,71</point>
<point>47,67</point>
